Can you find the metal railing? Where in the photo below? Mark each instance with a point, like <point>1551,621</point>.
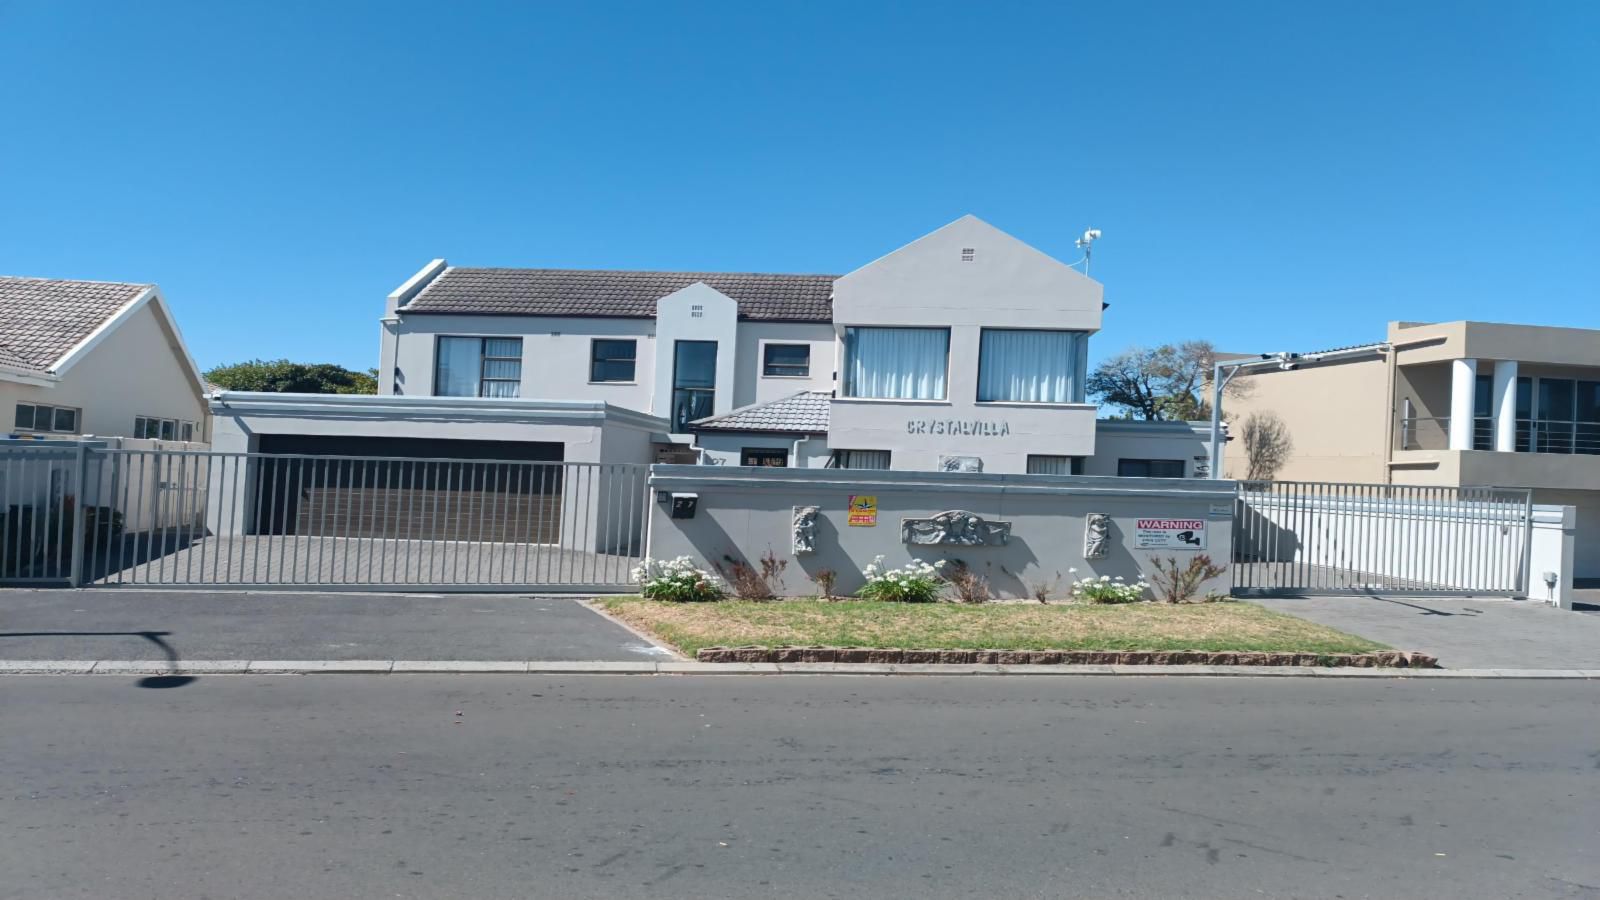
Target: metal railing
<point>1532,435</point>
<point>1319,537</point>
<point>177,518</point>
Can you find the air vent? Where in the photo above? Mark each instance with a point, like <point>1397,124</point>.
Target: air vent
<point>968,254</point>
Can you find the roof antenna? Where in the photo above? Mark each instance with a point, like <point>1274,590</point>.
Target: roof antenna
<point>1086,244</point>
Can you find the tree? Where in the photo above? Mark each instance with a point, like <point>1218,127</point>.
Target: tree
<point>1266,445</point>
<point>1160,384</point>
<point>281,376</point>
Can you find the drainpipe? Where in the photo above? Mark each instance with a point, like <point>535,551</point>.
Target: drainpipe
<point>794,452</point>
<point>394,355</point>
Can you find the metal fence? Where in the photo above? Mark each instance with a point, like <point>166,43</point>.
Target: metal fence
<point>1297,537</point>
<point>201,518</point>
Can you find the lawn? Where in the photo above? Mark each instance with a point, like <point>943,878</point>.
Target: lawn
<point>998,626</point>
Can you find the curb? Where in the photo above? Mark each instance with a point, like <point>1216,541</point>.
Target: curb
<point>601,667</point>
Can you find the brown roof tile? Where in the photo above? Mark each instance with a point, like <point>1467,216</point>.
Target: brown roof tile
<point>42,318</point>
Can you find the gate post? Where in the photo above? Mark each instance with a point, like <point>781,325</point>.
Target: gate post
<point>80,479</point>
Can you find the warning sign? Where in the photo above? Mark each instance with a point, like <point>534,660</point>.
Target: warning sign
<point>863,509</point>
<point>1169,534</point>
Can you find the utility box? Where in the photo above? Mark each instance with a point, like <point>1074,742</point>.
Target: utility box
<point>684,505</point>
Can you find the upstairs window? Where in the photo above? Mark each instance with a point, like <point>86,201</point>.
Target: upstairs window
<point>786,360</point>
<point>1020,366</point>
<point>612,360</point>
<point>41,418</point>
<point>896,363</point>
<point>478,367</point>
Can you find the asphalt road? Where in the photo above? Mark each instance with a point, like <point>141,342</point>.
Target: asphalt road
<point>794,786</point>
<point>120,623</point>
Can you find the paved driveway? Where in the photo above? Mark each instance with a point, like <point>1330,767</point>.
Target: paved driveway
<point>116,623</point>
<point>1463,633</point>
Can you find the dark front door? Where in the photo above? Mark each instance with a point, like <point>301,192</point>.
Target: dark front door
<point>694,381</point>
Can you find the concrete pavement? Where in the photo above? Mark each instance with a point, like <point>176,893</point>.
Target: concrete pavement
<point>477,786</point>
<point>123,624</point>
<point>1464,633</point>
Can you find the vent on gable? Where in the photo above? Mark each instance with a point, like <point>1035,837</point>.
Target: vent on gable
<point>968,254</point>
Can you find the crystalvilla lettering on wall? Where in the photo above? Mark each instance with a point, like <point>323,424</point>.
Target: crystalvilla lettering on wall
<point>965,427</point>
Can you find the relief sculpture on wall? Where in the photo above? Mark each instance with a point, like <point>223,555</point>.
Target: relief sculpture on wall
<point>805,529</point>
<point>956,527</point>
<point>1096,536</point>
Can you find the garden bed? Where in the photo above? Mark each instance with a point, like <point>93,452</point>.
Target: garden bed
<point>1234,628</point>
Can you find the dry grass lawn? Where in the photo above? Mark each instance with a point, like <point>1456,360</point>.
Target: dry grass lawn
<point>1009,626</point>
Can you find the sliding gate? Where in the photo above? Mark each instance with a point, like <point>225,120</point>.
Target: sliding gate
<point>1299,537</point>
<point>82,515</point>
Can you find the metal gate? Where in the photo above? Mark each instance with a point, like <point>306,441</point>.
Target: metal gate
<point>179,518</point>
<point>1297,537</point>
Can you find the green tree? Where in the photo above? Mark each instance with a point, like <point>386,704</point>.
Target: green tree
<point>280,376</point>
<point>1160,384</point>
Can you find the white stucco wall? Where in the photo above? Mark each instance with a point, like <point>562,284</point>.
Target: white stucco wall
<point>1115,440</point>
<point>138,369</point>
<point>752,386</point>
<point>695,313</point>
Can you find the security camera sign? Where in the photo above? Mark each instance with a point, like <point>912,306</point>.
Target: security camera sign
<point>1169,534</point>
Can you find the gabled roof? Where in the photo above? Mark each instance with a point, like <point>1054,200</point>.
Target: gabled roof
<point>802,413</point>
<point>43,319</point>
<point>617,294</point>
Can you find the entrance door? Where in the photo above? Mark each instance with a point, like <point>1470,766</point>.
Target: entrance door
<point>694,382</point>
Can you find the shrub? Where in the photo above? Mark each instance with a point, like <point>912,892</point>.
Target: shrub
<point>915,582</point>
<point>1106,589</point>
<point>824,580</point>
<point>1179,584</point>
<point>676,580</point>
<point>749,584</point>
<point>970,587</point>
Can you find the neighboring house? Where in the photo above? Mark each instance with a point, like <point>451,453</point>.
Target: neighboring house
<point>95,359</point>
<point>1449,404</point>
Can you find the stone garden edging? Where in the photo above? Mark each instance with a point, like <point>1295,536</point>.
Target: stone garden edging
<point>1395,659</point>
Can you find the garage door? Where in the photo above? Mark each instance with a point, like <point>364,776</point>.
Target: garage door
<point>422,489</point>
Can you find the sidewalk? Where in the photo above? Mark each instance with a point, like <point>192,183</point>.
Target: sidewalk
<point>132,625</point>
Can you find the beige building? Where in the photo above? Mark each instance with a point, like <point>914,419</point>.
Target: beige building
<point>1450,404</point>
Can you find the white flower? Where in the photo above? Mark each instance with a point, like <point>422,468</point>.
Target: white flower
<point>1105,577</point>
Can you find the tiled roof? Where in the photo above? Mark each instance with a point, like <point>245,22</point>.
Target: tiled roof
<point>802,413</point>
<point>41,318</point>
<point>622,294</point>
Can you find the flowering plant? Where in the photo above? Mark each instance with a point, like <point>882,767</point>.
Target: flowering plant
<point>1107,589</point>
<point>915,582</point>
<point>676,580</point>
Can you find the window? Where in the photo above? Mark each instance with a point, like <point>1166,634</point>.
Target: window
<point>1554,426</point>
<point>860,459</point>
<point>1483,413</point>
<point>49,419</point>
<point>786,360</point>
<point>1150,468</point>
<point>156,428</point>
<point>896,363</point>
<point>478,367</point>
<point>1054,465</point>
<point>1029,366</point>
<point>612,360</point>
<point>694,382</point>
<point>776,457</point>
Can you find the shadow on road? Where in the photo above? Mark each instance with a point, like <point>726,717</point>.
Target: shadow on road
<point>157,682</point>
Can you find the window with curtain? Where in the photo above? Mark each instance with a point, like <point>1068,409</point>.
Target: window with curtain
<point>861,459</point>
<point>1029,366</point>
<point>478,367</point>
<point>896,363</point>
<point>1039,464</point>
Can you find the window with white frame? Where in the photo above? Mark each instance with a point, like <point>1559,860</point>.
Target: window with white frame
<point>478,367</point>
<point>156,428</point>
<point>860,459</point>
<point>786,360</point>
<point>896,363</point>
<point>46,419</point>
<point>1027,366</point>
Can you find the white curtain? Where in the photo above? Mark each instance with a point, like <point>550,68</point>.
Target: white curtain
<point>1049,465</point>
<point>456,369</point>
<point>863,459</point>
<point>896,363</point>
<point>1029,366</point>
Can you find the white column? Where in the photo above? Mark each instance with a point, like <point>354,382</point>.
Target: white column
<point>1463,385</point>
<point>1504,405</point>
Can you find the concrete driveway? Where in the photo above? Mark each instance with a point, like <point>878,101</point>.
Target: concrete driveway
<point>114,623</point>
<point>1463,633</point>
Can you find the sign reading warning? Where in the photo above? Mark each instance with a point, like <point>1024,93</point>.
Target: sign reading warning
<point>1169,534</point>
<point>864,510</point>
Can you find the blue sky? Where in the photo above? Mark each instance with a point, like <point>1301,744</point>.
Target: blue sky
<point>1268,175</point>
